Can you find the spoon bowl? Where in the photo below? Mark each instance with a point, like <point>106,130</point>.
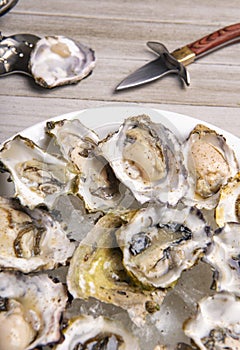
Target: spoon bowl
<point>6,5</point>
<point>15,53</point>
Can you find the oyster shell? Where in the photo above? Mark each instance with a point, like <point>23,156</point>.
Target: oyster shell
<point>216,325</point>
<point>159,243</point>
<point>30,311</point>
<point>147,158</point>
<point>210,163</point>
<point>30,239</point>
<point>87,332</point>
<point>96,270</point>
<point>39,177</point>
<point>179,346</point>
<point>97,183</point>
<point>224,256</point>
<point>57,60</point>
<point>228,208</point>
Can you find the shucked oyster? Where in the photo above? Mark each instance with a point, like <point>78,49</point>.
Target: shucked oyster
<point>179,346</point>
<point>160,242</point>
<point>87,332</point>
<point>147,158</point>
<point>57,60</point>
<point>96,270</point>
<point>30,239</point>
<point>97,183</point>
<point>38,176</point>
<point>224,256</point>
<point>210,163</point>
<point>228,208</point>
<point>216,325</point>
<point>30,311</point>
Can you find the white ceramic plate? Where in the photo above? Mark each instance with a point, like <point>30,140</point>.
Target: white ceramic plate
<point>105,119</point>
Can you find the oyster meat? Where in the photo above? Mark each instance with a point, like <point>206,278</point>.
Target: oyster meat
<point>87,332</point>
<point>58,60</point>
<point>216,325</point>
<point>118,221</point>
<point>30,311</point>
<point>39,177</point>
<point>97,184</point>
<point>210,163</point>
<point>179,346</point>
<point>147,158</point>
<point>224,256</point>
<point>228,207</point>
<point>160,242</point>
<point>31,240</point>
<point>96,270</point>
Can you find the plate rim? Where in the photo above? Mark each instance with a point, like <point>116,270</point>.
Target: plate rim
<point>171,116</point>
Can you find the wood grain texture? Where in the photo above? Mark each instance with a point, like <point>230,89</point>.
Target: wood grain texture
<point>29,109</point>
<point>118,32</point>
<point>215,39</point>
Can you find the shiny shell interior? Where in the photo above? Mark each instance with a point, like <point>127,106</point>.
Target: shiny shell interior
<point>127,237</point>
<point>57,60</point>
<point>31,307</point>
<point>210,163</point>
<point>146,157</point>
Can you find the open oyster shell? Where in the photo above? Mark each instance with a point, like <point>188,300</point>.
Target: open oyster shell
<point>224,256</point>
<point>216,325</point>
<point>31,240</point>
<point>160,242</point>
<point>210,163</point>
<point>228,208</point>
<point>57,60</point>
<point>39,177</point>
<point>30,311</point>
<point>96,270</point>
<point>97,184</point>
<point>179,346</point>
<point>147,158</point>
<point>87,332</point>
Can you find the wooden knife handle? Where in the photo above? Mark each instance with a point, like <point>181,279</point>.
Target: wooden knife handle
<point>216,39</point>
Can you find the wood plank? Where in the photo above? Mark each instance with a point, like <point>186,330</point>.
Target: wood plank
<point>24,112</point>
<point>113,38</point>
<point>201,12</point>
<point>211,85</point>
<point>120,47</point>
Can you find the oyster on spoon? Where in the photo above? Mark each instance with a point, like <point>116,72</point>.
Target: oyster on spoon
<point>51,61</point>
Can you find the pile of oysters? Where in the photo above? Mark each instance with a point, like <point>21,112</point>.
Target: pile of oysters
<point>150,209</point>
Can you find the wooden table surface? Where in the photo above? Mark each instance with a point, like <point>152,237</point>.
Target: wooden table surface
<point>118,32</point>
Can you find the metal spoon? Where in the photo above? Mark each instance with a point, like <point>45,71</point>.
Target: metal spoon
<point>51,61</point>
<point>15,53</point>
<point>6,5</point>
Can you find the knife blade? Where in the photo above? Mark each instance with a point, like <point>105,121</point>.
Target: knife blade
<point>175,62</point>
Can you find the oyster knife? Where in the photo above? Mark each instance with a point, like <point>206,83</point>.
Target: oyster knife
<point>175,62</point>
